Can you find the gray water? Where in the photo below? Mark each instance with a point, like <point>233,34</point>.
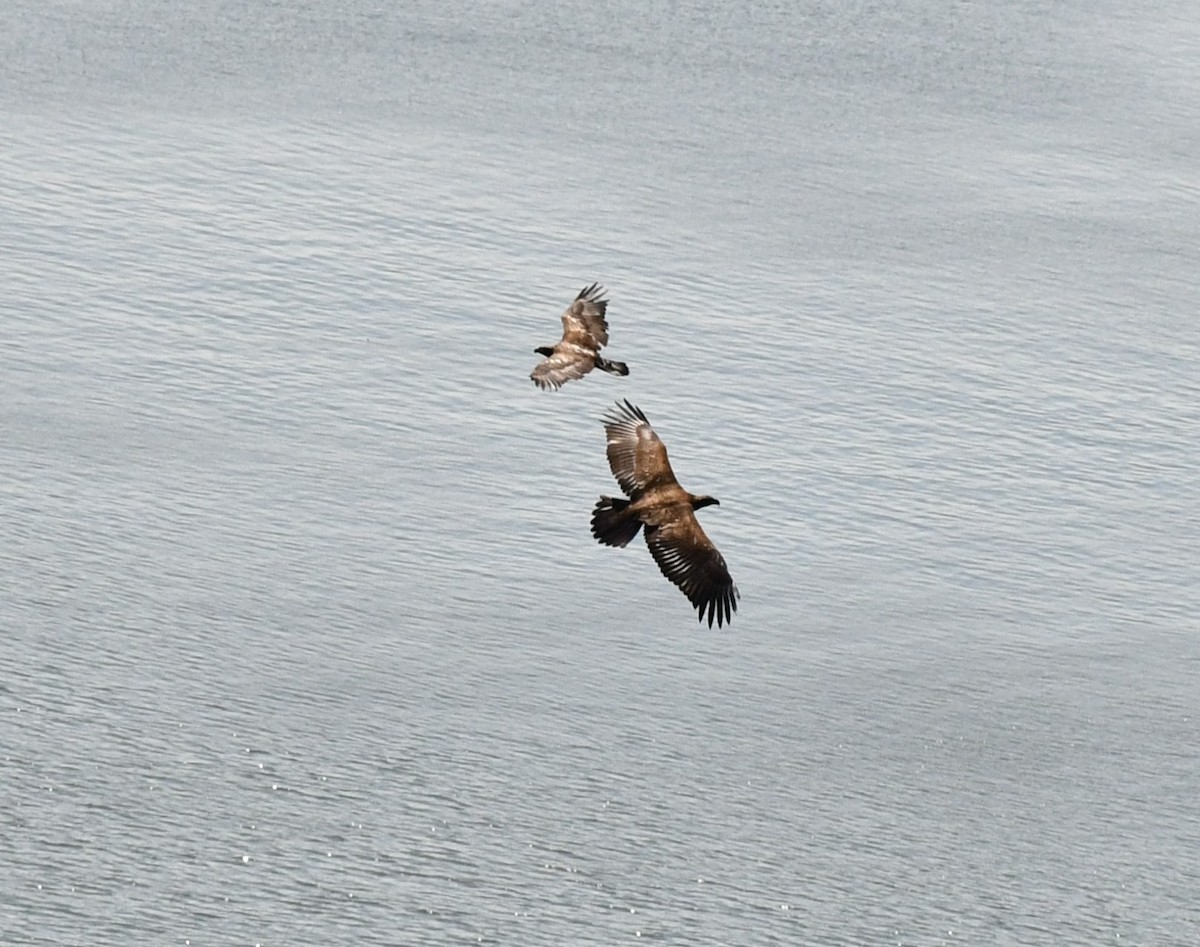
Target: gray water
<point>305,638</point>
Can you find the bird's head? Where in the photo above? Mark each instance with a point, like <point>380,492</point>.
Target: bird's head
<point>700,501</point>
<point>544,350</point>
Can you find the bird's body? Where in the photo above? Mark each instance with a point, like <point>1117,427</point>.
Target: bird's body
<point>585,333</point>
<point>660,506</point>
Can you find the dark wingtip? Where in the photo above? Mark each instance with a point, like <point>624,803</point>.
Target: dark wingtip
<point>632,410</point>
<point>591,294</point>
<point>625,412</point>
<point>719,608</point>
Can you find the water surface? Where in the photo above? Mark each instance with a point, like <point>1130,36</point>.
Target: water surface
<point>307,640</point>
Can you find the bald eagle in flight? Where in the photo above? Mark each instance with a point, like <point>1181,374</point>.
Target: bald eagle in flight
<point>585,333</point>
<point>657,502</point>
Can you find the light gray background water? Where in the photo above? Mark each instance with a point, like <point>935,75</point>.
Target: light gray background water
<point>305,640</point>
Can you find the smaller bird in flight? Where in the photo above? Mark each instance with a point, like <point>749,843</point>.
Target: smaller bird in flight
<point>684,554</point>
<point>585,333</point>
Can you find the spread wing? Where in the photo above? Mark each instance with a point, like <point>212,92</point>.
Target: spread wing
<point>637,457</point>
<point>562,366</point>
<point>583,321</point>
<point>688,558</point>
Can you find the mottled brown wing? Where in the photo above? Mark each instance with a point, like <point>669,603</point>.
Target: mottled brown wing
<point>636,455</point>
<point>583,321</point>
<point>561,367</point>
<point>688,558</point>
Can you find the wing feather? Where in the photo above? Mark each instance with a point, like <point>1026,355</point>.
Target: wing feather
<point>687,557</point>
<point>584,320</point>
<point>561,367</point>
<point>637,456</point>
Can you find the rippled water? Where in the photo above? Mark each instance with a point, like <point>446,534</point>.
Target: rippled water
<point>306,638</point>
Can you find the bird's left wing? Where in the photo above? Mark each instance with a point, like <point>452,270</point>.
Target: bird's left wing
<point>637,456</point>
<point>563,366</point>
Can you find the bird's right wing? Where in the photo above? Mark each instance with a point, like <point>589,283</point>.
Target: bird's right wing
<point>583,321</point>
<point>688,558</point>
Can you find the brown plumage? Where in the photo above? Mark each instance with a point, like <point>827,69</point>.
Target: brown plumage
<point>585,333</point>
<point>657,502</point>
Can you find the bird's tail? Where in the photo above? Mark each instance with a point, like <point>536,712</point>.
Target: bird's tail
<point>613,368</point>
<point>612,522</point>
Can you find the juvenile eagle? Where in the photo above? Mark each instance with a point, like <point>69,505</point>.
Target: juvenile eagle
<point>656,501</point>
<point>585,333</point>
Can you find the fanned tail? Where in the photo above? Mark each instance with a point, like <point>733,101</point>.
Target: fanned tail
<point>613,368</point>
<point>612,522</point>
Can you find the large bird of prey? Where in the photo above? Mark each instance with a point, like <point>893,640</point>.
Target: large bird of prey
<point>657,502</point>
<point>585,333</point>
